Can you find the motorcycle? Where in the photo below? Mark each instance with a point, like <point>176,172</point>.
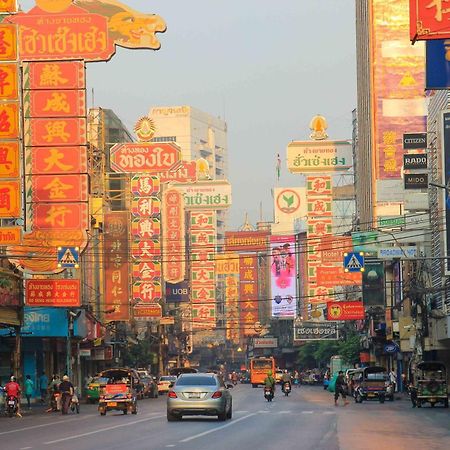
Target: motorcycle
<point>268,393</point>
<point>286,388</point>
<point>12,406</point>
<point>74,404</point>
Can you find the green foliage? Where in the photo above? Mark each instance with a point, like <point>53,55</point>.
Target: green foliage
<point>139,355</point>
<point>318,353</point>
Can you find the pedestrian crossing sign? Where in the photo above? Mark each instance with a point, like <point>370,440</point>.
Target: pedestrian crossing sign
<point>68,257</point>
<point>354,262</point>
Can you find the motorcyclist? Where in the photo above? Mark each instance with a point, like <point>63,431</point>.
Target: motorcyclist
<point>234,378</point>
<point>67,391</point>
<point>269,381</point>
<point>12,389</point>
<point>286,378</point>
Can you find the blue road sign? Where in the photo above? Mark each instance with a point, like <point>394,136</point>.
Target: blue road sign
<point>354,262</point>
<point>68,257</point>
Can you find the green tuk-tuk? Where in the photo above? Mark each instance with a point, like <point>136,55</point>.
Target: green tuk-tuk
<point>431,383</point>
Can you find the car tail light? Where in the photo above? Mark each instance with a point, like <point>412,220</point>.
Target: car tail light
<point>172,394</point>
<point>217,394</point>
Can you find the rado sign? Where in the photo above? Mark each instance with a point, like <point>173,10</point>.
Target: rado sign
<point>415,161</point>
<point>416,181</point>
<point>414,141</point>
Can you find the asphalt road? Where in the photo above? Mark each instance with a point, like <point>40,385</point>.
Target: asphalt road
<point>307,419</point>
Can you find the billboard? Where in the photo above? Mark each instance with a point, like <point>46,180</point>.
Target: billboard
<point>319,156</point>
<point>246,241</point>
<point>316,331</point>
<point>248,293</point>
<point>289,206</point>
<point>397,85</point>
<point>206,194</point>
<point>283,275</point>
<point>345,311</point>
<point>428,19</point>
<point>61,293</point>
<point>446,169</point>
<point>438,64</point>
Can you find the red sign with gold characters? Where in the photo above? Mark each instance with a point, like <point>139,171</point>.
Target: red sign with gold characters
<point>185,173</point>
<point>145,185</point>
<point>59,188</point>
<point>9,159</point>
<point>9,87</point>
<point>54,75</point>
<point>10,235</point>
<point>174,230</point>
<point>59,293</point>
<point>345,311</point>
<point>8,6</point>
<point>116,266</point>
<point>10,199</point>
<point>51,103</point>
<point>55,131</point>
<point>248,287</point>
<point>9,120</point>
<point>147,312</point>
<point>429,19</point>
<point>57,160</point>
<point>74,34</point>
<point>145,292</point>
<point>63,216</point>
<point>8,42</point>
<point>145,157</point>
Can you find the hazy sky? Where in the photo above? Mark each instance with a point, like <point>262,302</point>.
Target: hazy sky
<point>266,66</point>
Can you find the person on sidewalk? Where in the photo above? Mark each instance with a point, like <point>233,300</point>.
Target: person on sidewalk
<point>340,389</point>
<point>28,389</point>
<point>43,386</point>
<point>67,391</point>
<point>393,379</point>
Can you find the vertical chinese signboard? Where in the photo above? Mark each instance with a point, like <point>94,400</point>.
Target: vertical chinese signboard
<point>283,273</point>
<point>397,85</point>
<point>202,251</point>
<point>116,259</point>
<point>248,290</point>
<point>146,231</point>
<point>10,192</point>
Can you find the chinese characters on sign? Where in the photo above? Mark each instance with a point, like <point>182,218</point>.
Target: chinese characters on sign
<point>116,266</point>
<point>248,289</point>
<point>62,293</point>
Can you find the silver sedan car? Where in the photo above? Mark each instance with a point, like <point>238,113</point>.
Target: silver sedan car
<point>199,394</point>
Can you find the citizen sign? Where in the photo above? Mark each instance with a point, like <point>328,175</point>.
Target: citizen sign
<point>412,141</point>
<point>415,161</point>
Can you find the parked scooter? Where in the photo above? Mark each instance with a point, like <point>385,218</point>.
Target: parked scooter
<point>286,388</point>
<point>268,393</point>
<point>12,406</point>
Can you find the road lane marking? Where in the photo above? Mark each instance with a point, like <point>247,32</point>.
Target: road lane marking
<point>284,412</point>
<point>263,411</point>
<point>17,430</point>
<point>329,412</point>
<point>25,448</point>
<point>101,430</point>
<point>229,424</point>
<point>307,412</point>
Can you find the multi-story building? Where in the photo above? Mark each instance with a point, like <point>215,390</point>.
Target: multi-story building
<point>199,135</point>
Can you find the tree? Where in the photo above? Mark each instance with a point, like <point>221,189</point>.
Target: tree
<point>350,348</point>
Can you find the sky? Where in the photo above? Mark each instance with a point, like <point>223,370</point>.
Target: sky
<point>265,66</point>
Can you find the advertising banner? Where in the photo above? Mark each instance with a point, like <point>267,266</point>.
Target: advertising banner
<point>54,75</point>
<point>316,331</point>
<point>206,195</point>
<point>10,235</point>
<point>9,87</point>
<point>414,161</point>
<point>8,51</point>
<point>145,157</point>
<point>45,322</point>
<point>62,216</point>
<point>55,132</point>
<point>373,285</point>
<point>266,342</point>
<point>186,172</point>
<point>147,312</point>
<point>10,204</point>
<point>246,241</point>
<point>56,160</point>
<point>177,292</point>
<point>445,133</point>
<point>428,19</point>
<point>319,156</point>
<point>9,114</point>
<point>48,103</point>
<point>232,324</point>
<point>283,277</point>
<point>61,293</point>
<point>415,141</point>
<point>398,81</point>
<point>9,159</point>
<point>248,293</point>
<point>116,257</point>
<point>336,276</point>
<point>345,311</point>
<point>227,263</point>
<point>58,188</point>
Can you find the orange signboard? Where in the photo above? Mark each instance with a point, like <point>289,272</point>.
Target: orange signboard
<point>63,216</point>
<point>9,88</point>
<point>56,160</point>
<point>67,131</point>
<point>54,75</point>
<point>147,312</point>
<point>59,188</point>
<point>9,199</point>
<point>185,173</point>
<point>335,276</point>
<point>73,34</point>
<point>9,159</point>
<point>55,103</point>
<point>8,6</point>
<point>10,235</point>
<point>8,42</point>
<point>146,291</point>
<point>62,293</point>
<point>9,120</point>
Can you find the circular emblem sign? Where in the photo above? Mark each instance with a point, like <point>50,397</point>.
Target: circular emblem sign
<point>335,312</point>
<point>53,6</point>
<point>288,201</point>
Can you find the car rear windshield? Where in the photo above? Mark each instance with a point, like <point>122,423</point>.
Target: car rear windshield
<point>196,381</point>
<point>170,378</point>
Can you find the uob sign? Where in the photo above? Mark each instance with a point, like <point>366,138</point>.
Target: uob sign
<point>177,292</point>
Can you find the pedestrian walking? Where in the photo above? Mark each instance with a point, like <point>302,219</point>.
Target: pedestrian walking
<point>43,386</point>
<point>340,389</point>
<point>28,389</point>
<point>393,379</point>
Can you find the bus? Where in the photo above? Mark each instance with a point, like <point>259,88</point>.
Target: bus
<point>259,368</point>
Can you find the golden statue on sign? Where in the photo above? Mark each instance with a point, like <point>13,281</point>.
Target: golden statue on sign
<point>318,128</point>
<point>128,28</point>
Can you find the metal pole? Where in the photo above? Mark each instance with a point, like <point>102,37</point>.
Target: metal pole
<point>69,345</point>
<point>17,355</point>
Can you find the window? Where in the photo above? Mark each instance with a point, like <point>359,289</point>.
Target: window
<point>196,381</point>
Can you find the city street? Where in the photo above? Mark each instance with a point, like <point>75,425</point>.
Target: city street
<point>307,419</point>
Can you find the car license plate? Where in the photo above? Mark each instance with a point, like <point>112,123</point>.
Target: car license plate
<point>11,402</point>
<point>194,395</point>
<point>370,395</point>
<point>112,403</point>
